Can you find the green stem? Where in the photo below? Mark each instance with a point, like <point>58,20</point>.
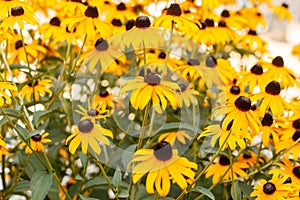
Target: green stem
<point>26,55</point>
<point>80,51</point>
<point>3,173</point>
<point>232,175</point>
<point>142,134</point>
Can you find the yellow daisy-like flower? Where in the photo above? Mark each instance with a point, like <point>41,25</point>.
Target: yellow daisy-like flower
<point>18,16</point>
<point>254,17</point>
<point>102,54</point>
<point>285,143</point>
<point>268,131</point>
<point>296,50</point>
<point>220,169</point>
<point>250,158</point>
<point>273,189</point>
<point>171,137</point>
<point>6,7</point>
<point>3,149</point>
<point>3,96</point>
<point>92,113</point>
<point>89,24</point>
<point>256,77</point>
<point>5,35</point>
<point>88,135</point>
<point>72,8</point>
<point>271,99</point>
<point>277,71</point>
<point>187,94</point>
<point>230,93</point>
<point>152,88</point>
<point>241,114</point>
<point>53,31</point>
<point>36,142</point>
<point>36,88</point>
<point>173,19</point>
<point>162,165</point>
<point>282,11</point>
<point>104,99</point>
<point>234,20</point>
<point>143,35</point>
<point>192,70</point>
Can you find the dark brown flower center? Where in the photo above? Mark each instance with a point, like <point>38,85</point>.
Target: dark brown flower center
<point>258,14</point>
<point>18,44</point>
<point>130,24</point>
<point>222,24</point>
<point>296,171</point>
<point>247,155</point>
<point>85,126</point>
<point>174,10</point>
<point>36,138</point>
<point>288,180</point>
<point>93,112</point>
<point>267,120</point>
<point>273,88</point>
<point>257,69</point>
<point>243,103</point>
<point>209,22</point>
<point>152,79</point>
<point>225,13</point>
<point>253,107</point>
<point>101,44</point>
<point>162,55</point>
<point>269,188</point>
<point>116,22</point>
<point>33,83</point>
<point>193,62</point>
<point>17,11</point>
<point>211,61</point>
<point>296,135</point>
<point>103,93</point>
<point>235,90</point>
<point>234,81</point>
<point>296,124</point>
<point>55,21</point>
<point>224,161</point>
<point>121,6</point>
<point>142,22</point>
<point>92,12</point>
<point>278,61</point>
<point>252,32</point>
<point>182,87</point>
<point>203,25</point>
<point>163,151</point>
<point>285,5</point>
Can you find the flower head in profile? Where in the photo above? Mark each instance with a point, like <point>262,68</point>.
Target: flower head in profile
<point>250,158</point>
<point>18,16</point>
<point>254,16</point>
<point>37,143</point>
<point>275,188</point>
<point>234,20</point>
<point>162,165</point>
<point>221,168</point>
<point>92,113</point>
<point>287,141</point>
<point>171,137</point>
<point>36,88</point>
<point>268,131</point>
<point>3,95</point>
<point>152,89</point>
<point>88,134</point>
<point>282,11</point>
<point>53,31</point>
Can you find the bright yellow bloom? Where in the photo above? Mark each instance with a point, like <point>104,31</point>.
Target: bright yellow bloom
<point>286,142</point>
<point>152,88</point>
<point>187,95</point>
<point>296,50</point>
<point>268,131</point>
<point>162,165</point>
<point>104,99</point>
<point>88,135</point>
<point>282,11</point>
<point>252,42</point>
<point>3,149</point>
<point>36,88</point>
<point>3,96</point>
<point>250,158</point>
<point>255,18</point>
<point>234,20</point>
<point>171,137</point>
<point>36,142</point>
<point>93,113</point>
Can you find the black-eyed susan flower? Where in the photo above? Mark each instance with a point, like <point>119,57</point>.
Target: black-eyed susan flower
<point>241,114</point>
<point>73,7</point>
<point>271,99</point>
<point>125,12</point>
<point>53,31</point>
<point>256,77</point>
<point>173,18</point>
<point>101,55</point>
<point>268,131</point>
<point>89,24</point>
<point>275,188</point>
<point>250,158</point>
<point>143,35</point>
<point>282,11</point>
<point>3,95</point>
<point>18,16</point>
<point>156,60</point>
<point>254,16</point>
<point>230,93</point>
<point>286,167</point>
<point>104,99</point>
<point>277,71</point>
<point>37,143</point>
<point>162,165</point>
<point>204,34</point>
<point>152,88</point>
<point>5,35</point>
<point>220,169</point>
<point>286,141</point>
<point>187,94</point>
<point>93,113</point>
<point>6,7</point>
<point>233,20</point>
<point>189,70</point>
<point>224,32</point>
<point>36,88</point>
<point>171,137</point>
<point>3,149</point>
<point>88,134</point>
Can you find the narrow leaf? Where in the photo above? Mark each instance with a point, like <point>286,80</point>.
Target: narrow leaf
<point>40,184</point>
<point>117,177</point>
<point>205,191</point>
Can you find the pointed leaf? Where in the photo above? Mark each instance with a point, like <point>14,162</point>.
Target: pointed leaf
<point>41,182</point>
<point>205,191</point>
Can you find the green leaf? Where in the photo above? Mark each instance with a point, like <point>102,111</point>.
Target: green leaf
<point>24,132</point>
<point>127,155</point>
<point>246,189</point>
<point>38,116</point>
<point>123,193</point>
<point>205,191</point>
<point>117,177</point>
<point>83,159</point>
<point>22,186</point>
<point>177,126</point>
<point>235,191</point>
<point>34,132</point>
<point>87,198</point>
<point>40,184</point>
